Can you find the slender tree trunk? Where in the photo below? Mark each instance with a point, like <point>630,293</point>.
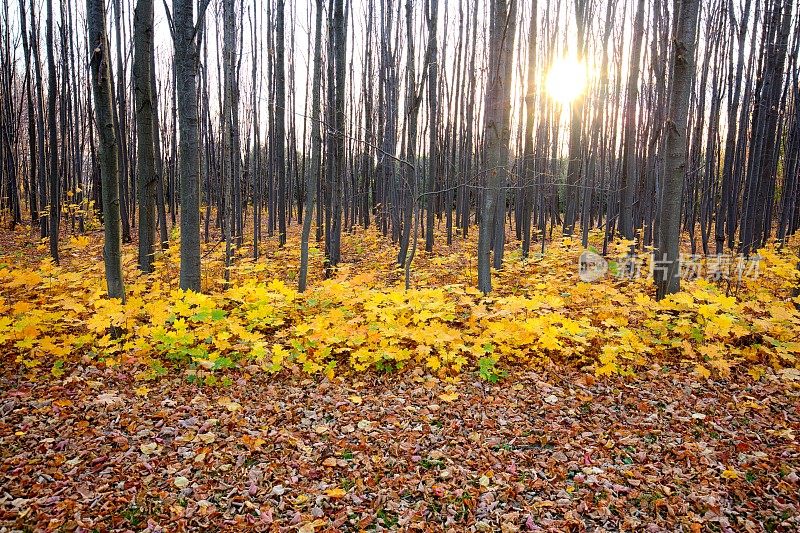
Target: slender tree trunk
<point>227,126</point>
<point>629,160</point>
<point>109,167</point>
<point>160,170</point>
<point>42,174</point>
<point>433,110</point>
<point>122,123</point>
<point>575,158</point>
<point>667,271</point>
<point>145,155</point>
<point>338,55</point>
<point>280,120</point>
<point>497,132</point>
<point>186,64</point>
<point>54,178</point>
<point>409,168</point>
<point>316,146</point>
<point>255,165</point>
<point>529,159</point>
<point>725,215</point>
<point>33,152</point>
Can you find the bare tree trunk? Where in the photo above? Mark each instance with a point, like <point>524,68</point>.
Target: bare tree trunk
<point>529,159</point>
<point>409,168</point>
<point>227,125</point>
<point>255,164</point>
<point>667,271</point>
<point>316,147</point>
<point>186,64</point>
<point>280,120</point>
<point>42,174</point>
<point>338,54</point>
<point>433,130</point>
<point>497,132</point>
<point>122,124</point>
<point>575,158</point>
<point>160,170</point>
<point>725,215</point>
<point>629,160</point>
<point>109,168</point>
<point>145,154</point>
<point>55,182</point>
<point>33,152</point>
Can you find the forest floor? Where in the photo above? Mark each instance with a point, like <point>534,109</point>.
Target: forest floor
<point>553,451</point>
<point>552,405</point>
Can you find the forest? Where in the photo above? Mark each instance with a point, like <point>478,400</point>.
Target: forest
<point>378,265</point>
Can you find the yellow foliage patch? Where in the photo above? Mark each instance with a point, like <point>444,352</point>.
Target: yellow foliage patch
<point>363,319</point>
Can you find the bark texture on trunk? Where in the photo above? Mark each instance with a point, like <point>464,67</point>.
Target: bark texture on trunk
<point>186,64</point>
<point>145,152</point>
<point>280,119</point>
<point>629,162</point>
<point>109,165</point>
<point>53,176</point>
<point>316,147</point>
<point>667,271</point>
<point>433,110</point>
<point>502,22</point>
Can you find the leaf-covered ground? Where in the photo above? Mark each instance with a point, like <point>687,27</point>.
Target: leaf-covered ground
<point>553,451</point>
<point>363,320</point>
<point>551,405</point>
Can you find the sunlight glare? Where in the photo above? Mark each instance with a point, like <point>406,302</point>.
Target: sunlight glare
<point>566,80</point>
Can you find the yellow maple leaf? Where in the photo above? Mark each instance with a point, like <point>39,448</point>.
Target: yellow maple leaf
<point>730,474</point>
<point>336,493</point>
<point>757,372</point>
<point>449,396</point>
<point>25,278</point>
<point>229,404</point>
<point>722,324</point>
<point>722,366</point>
<point>702,371</point>
<point>80,241</point>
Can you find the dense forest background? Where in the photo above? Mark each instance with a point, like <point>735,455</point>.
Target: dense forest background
<point>645,120</point>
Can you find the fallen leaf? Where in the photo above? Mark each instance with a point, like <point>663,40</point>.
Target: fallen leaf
<point>449,396</point>
<point>336,493</point>
<point>730,474</point>
<point>207,438</point>
<point>149,448</point>
<point>229,404</point>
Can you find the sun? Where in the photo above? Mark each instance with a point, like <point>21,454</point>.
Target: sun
<point>566,80</point>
